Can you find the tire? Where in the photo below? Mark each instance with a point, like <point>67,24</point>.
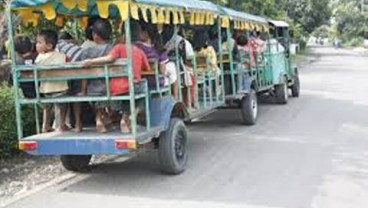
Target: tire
<point>281,92</point>
<point>76,163</point>
<point>295,89</point>
<point>249,108</point>
<point>172,149</point>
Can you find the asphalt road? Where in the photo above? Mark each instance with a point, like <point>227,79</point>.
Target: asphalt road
<point>311,153</point>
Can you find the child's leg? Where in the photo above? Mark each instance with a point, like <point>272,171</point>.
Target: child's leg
<point>84,85</point>
<point>77,117</point>
<point>46,119</point>
<point>192,91</point>
<point>175,89</point>
<point>107,116</point>
<point>100,125</point>
<point>125,123</point>
<point>62,109</point>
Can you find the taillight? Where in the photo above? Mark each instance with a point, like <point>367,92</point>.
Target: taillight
<point>28,145</point>
<point>125,144</point>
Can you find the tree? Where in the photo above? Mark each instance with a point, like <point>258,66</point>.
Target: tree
<point>267,8</point>
<point>350,23</point>
<point>309,14</point>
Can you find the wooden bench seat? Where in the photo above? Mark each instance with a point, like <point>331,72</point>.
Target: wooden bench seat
<point>71,71</point>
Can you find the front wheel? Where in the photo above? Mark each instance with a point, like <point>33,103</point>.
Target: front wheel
<point>172,148</point>
<point>281,92</point>
<point>249,108</point>
<point>76,163</point>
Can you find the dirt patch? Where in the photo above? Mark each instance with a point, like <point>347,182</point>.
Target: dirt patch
<point>24,172</point>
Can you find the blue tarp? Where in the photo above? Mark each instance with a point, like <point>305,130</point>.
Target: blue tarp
<point>26,3</point>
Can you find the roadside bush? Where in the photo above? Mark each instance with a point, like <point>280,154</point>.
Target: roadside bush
<point>355,42</point>
<point>8,127</point>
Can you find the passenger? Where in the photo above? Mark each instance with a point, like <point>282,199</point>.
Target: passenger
<point>245,52</point>
<point>120,86</point>
<point>258,42</point>
<point>25,55</point>
<point>151,43</point>
<point>186,51</point>
<point>214,38</point>
<point>46,43</point>
<point>101,31</point>
<point>202,48</point>
<point>225,45</point>
<point>88,43</point>
<point>67,46</point>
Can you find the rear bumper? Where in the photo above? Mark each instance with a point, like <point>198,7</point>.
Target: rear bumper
<point>87,142</point>
<point>68,146</point>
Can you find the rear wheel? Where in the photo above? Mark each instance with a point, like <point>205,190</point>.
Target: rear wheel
<point>76,163</point>
<point>281,92</point>
<point>249,108</point>
<point>172,148</point>
<point>295,89</point>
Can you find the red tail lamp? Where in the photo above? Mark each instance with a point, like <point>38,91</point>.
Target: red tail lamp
<point>125,144</point>
<point>28,145</point>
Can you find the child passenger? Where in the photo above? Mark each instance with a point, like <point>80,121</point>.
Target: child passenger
<point>45,46</point>
<point>202,48</point>
<point>151,43</point>
<point>120,85</point>
<point>25,55</point>
<point>101,33</point>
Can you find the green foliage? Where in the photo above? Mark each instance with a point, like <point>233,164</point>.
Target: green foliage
<point>8,129</point>
<point>310,14</point>
<point>354,42</point>
<point>323,31</point>
<point>350,23</point>
<point>304,16</point>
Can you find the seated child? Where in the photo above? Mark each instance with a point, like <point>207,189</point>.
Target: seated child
<point>245,52</point>
<point>120,85</point>
<point>101,33</point>
<point>25,55</point>
<point>45,46</point>
<point>67,46</point>
<point>72,51</point>
<point>202,48</point>
<point>151,43</point>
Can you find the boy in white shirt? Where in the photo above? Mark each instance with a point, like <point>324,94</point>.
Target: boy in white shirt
<point>45,46</point>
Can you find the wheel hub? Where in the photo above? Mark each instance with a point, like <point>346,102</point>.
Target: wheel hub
<point>254,108</point>
<point>180,145</point>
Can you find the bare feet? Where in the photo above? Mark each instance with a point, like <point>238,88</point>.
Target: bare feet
<point>107,120</point>
<point>81,94</point>
<point>125,125</point>
<point>100,127</point>
<point>77,128</point>
<point>46,129</point>
<point>62,128</point>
